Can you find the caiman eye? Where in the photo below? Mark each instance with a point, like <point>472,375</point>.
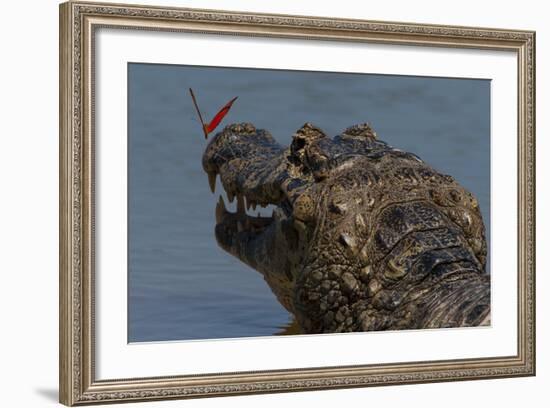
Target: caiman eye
<point>298,144</point>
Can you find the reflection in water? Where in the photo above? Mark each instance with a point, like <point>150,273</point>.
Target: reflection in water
<point>291,328</point>
<point>181,285</point>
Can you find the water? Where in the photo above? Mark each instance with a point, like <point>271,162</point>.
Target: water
<point>181,284</point>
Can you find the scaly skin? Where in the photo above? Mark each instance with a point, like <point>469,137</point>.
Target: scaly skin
<point>363,237</point>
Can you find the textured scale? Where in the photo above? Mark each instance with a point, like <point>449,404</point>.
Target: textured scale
<point>382,241</point>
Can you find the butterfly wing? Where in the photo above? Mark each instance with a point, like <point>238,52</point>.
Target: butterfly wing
<point>219,116</point>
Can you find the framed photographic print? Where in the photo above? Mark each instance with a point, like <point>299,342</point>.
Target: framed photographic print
<point>262,203</point>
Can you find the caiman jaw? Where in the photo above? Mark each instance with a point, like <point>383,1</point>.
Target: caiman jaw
<point>256,182</point>
<point>235,230</point>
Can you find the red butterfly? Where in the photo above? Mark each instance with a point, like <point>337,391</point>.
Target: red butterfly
<point>209,127</point>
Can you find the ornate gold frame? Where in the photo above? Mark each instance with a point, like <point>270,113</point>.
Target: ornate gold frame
<point>78,21</point>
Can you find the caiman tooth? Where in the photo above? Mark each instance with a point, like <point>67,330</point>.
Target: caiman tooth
<point>253,204</point>
<point>247,202</point>
<point>220,210</point>
<point>240,204</point>
<point>349,242</point>
<point>212,181</point>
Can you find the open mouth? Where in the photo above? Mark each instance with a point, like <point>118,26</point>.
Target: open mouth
<point>239,221</point>
<point>253,170</point>
<point>250,218</point>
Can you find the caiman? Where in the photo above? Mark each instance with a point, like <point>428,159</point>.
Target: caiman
<point>363,236</point>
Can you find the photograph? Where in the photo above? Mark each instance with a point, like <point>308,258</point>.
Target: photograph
<point>280,202</point>
<point>257,202</point>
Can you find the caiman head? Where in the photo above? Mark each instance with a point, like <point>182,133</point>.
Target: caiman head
<point>358,229</point>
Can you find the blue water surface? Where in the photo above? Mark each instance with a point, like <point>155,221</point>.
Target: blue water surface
<point>181,284</point>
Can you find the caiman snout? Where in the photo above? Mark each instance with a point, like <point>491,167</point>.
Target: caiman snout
<point>253,168</point>
<point>245,158</point>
